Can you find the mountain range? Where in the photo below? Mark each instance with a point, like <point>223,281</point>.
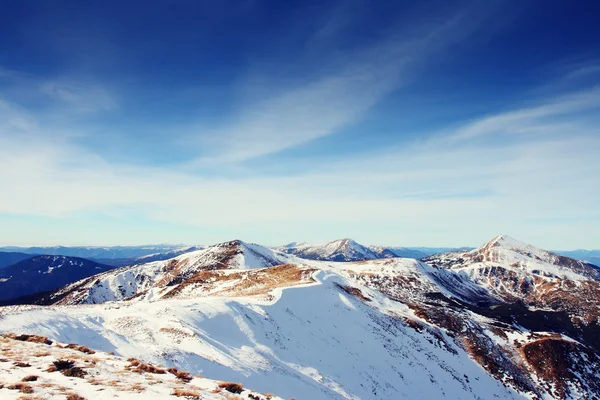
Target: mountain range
<point>505,320</point>
<point>44,273</point>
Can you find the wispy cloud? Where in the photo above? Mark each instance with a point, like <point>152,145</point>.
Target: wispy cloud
<point>531,119</point>
<point>418,193</point>
<point>325,104</point>
<point>81,96</point>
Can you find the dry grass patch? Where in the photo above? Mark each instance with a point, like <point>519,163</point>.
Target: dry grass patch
<point>75,396</point>
<point>249,283</point>
<point>21,364</point>
<point>143,367</point>
<point>61,364</point>
<point>83,349</point>
<point>29,338</point>
<point>181,375</point>
<point>67,368</point>
<point>232,387</point>
<point>30,378</point>
<point>21,387</point>
<point>186,393</point>
<point>75,372</point>
<point>138,387</point>
<point>41,354</point>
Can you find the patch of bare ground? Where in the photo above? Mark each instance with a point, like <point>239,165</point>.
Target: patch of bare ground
<point>247,283</point>
<point>354,291</point>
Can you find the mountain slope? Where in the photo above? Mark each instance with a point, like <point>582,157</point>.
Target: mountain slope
<point>44,273</point>
<point>314,341</point>
<point>10,258</point>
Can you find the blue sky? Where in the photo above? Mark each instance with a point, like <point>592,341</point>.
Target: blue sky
<point>437,123</point>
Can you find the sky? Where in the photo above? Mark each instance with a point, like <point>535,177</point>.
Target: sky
<point>431,123</point>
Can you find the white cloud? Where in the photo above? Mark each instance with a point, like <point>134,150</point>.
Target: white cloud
<point>449,193</point>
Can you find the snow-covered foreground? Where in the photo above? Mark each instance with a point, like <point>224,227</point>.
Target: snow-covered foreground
<point>29,367</point>
<point>310,342</point>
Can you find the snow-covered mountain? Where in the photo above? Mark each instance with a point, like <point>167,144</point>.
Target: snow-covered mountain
<point>512,270</point>
<point>169,277</point>
<point>459,326</point>
<point>349,250</point>
<point>337,250</point>
<point>44,273</point>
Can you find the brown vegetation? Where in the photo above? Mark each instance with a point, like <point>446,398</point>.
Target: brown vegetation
<point>74,372</point>
<point>74,396</point>
<point>21,387</point>
<point>250,283</point>
<point>185,393</point>
<point>353,291</point>
<point>182,375</point>
<point>142,367</point>
<point>82,349</point>
<point>232,387</point>
<point>29,338</point>
<point>21,364</point>
<point>30,378</point>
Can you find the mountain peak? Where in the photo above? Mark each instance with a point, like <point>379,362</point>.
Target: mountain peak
<point>506,242</point>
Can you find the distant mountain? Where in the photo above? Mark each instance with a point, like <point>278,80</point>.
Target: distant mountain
<point>121,262</point>
<point>337,250</point>
<point>592,256</point>
<point>96,252</point>
<point>9,258</point>
<point>407,252</point>
<point>44,273</point>
<point>428,251</point>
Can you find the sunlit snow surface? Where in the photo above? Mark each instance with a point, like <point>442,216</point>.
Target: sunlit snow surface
<point>310,342</point>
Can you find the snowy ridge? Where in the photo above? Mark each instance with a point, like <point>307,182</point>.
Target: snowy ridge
<point>155,279</point>
<point>336,250</point>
